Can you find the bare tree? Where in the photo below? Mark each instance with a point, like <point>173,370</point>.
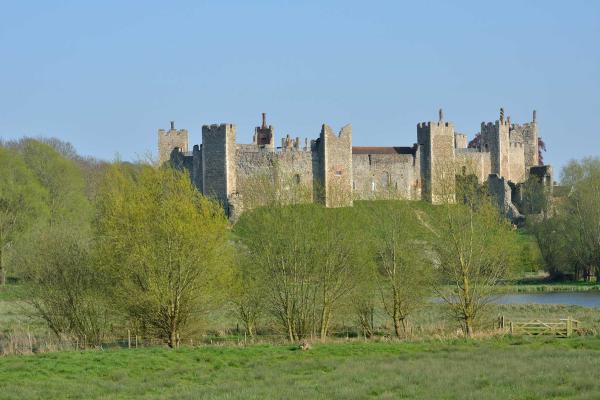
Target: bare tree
<point>403,267</point>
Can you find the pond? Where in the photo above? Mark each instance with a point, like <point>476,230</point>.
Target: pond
<point>584,299</point>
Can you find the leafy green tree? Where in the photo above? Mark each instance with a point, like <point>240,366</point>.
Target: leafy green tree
<point>534,197</point>
<point>581,214</point>
<point>474,249</point>
<point>550,234</point>
<point>165,246</point>
<point>248,291</point>
<point>22,202</point>
<point>403,269</point>
<point>307,258</point>
<point>64,286</point>
<point>63,180</point>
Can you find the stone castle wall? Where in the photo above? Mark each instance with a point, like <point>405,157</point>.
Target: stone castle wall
<point>383,173</point>
<point>333,172</point>
<point>473,161</point>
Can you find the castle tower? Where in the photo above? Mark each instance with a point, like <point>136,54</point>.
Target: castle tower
<point>436,141</point>
<point>264,136</point>
<point>530,142</point>
<point>169,140</point>
<point>335,164</point>
<point>495,139</point>
<point>218,162</point>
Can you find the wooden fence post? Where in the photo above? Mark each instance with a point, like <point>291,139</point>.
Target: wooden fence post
<point>569,326</point>
<point>511,327</point>
<point>128,338</point>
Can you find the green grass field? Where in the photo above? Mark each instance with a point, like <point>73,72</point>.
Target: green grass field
<point>486,369</point>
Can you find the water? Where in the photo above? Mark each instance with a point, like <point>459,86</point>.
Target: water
<point>584,299</point>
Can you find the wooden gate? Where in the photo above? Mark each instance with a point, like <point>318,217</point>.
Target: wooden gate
<point>564,327</point>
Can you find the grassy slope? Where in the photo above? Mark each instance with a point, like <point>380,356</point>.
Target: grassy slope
<point>503,369</point>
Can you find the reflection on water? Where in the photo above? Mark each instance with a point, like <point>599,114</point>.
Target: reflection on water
<point>585,299</point>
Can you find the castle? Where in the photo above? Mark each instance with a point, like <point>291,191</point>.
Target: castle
<point>331,171</point>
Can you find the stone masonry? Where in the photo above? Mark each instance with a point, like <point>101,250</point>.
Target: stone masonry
<point>330,171</point>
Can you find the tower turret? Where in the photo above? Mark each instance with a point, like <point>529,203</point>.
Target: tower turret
<point>169,140</point>
<point>436,148</point>
<point>495,139</point>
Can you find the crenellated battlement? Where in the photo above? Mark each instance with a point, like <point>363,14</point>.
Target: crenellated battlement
<point>334,174</point>
<point>217,129</point>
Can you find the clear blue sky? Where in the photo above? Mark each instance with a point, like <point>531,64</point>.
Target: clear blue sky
<point>106,75</point>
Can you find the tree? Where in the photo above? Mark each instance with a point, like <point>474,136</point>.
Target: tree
<point>278,243</point>
<point>338,261</point>
<point>550,234</point>
<point>248,293</point>
<point>62,178</point>
<point>581,214</point>
<point>65,288</point>
<point>475,248</point>
<point>165,245</point>
<point>402,268</point>
<point>306,257</point>
<point>534,197</point>
<point>22,201</point>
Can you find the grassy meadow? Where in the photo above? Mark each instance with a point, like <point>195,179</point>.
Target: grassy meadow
<point>505,368</point>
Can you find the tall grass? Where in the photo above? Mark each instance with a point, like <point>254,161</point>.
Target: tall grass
<point>439,369</point>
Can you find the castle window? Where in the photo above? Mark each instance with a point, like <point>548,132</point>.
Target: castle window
<point>338,172</point>
<point>372,185</point>
<point>297,179</point>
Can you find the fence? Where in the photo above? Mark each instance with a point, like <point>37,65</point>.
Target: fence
<point>564,327</point>
<point>23,342</point>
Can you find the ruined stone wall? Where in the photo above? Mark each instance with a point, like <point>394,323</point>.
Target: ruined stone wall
<point>169,140</point>
<point>436,145</point>
<point>473,161</point>
<point>385,176</point>
<point>335,164</point>
<point>499,188</point>
<point>218,161</point>
<point>265,176</point>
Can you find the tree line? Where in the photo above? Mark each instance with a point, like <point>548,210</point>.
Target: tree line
<point>106,247</point>
<point>568,228</point>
